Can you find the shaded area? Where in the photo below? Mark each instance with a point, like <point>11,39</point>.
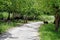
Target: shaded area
<point>6,35</point>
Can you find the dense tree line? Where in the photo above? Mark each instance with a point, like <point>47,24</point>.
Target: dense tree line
<point>25,8</point>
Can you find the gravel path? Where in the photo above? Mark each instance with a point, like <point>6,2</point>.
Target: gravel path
<point>26,32</point>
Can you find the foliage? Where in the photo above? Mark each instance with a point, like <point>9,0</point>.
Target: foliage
<point>24,7</point>
<point>47,33</point>
<point>5,14</point>
<point>4,26</point>
<point>29,7</point>
<point>49,18</point>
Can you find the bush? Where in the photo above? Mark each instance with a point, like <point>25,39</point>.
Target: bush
<point>5,14</point>
<point>47,32</point>
<point>48,18</point>
<point>4,26</point>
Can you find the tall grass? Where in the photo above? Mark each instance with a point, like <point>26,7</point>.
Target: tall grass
<point>47,32</point>
<point>4,26</point>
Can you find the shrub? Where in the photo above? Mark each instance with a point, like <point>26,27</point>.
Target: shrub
<point>46,18</point>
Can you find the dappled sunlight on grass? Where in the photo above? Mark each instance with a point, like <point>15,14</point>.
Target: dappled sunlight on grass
<point>47,32</point>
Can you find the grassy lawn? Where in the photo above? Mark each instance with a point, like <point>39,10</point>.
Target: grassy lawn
<point>47,32</point>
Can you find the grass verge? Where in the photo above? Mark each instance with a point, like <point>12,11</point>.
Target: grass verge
<point>4,26</point>
<point>47,32</point>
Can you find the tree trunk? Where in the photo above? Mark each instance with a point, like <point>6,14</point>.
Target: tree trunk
<point>33,17</point>
<point>25,19</point>
<point>13,15</point>
<point>9,16</point>
<point>8,19</point>
<point>56,22</point>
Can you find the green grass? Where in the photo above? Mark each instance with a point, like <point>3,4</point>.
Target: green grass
<point>4,26</point>
<point>49,18</point>
<point>47,32</point>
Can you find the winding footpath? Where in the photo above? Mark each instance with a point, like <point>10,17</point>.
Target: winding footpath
<point>27,31</point>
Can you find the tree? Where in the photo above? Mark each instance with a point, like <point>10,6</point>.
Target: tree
<point>53,7</point>
<point>5,6</point>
